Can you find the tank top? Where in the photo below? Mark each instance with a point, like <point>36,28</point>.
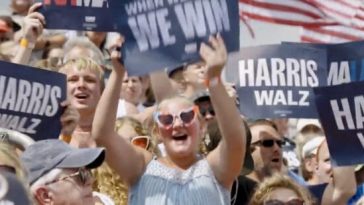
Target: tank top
<point>162,185</point>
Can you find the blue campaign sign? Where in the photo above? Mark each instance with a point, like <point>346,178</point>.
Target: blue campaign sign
<point>276,81</point>
<point>341,112</point>
<point>158,34</point>
<point>96,15</point>
<point>345,61</point>
<point>30,100</point>
<point>169,32</point>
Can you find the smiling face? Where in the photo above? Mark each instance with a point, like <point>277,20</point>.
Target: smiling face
<point>267,159</point>
<point>83,87</point>
<point>180,139</point>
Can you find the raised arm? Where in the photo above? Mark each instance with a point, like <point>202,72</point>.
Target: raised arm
<point>32,29</point>
<point>128,161</point>
<point>226,160</point>
<point>341,188</point>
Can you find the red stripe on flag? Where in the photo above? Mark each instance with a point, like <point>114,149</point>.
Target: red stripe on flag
<point>279,7</point>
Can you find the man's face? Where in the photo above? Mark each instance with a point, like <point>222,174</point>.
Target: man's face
<point>70,189</point>
<point>266,151</point>
<point>83,88</point>
<point>206,109</point>
<point>195,74</point>
<point>323,168</point>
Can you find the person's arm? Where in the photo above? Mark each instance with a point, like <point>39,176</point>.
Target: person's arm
<point>161,85</point>
<point>32,28</point>
<point>226,160</point>
<point>341,188</point>
<point>128,161</point>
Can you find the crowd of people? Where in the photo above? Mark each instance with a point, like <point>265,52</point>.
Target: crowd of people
<point>173,137</point>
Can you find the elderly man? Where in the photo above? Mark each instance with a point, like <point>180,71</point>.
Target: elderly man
<point>59,173</point>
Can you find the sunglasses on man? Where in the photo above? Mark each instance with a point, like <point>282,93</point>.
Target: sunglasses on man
<point>166,120</point>
<point>279,202</point>
<point>269,143</point>
<point>83,175</point>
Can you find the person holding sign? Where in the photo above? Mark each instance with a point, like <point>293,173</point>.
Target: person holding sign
<point>182,176</point>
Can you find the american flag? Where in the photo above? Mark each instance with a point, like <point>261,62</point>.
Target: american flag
<point>322,21</point>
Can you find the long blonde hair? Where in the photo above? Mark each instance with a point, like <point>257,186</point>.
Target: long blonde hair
<point>107,181</point>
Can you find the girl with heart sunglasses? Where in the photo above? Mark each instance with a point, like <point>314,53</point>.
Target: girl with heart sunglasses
<point>168,179</point>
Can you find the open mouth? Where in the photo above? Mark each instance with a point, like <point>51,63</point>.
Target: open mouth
<point>179,137</point>
<point>81,96</point>
<point>275,160</point>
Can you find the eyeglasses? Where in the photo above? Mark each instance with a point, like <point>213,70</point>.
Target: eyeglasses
<point>269,143</point>
<point>205,110</point>
<point>84,175</point>
<point>290,202</point>
<point>167,120</point>
<point>141,141</point>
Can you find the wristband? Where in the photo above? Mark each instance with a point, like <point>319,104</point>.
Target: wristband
<point>212,82</point>
<point>66,138</point>
<point>26,44</point>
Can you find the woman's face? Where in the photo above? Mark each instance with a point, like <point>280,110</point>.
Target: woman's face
<point>284,195</point>
<point>132,89</point>
<point>182,136</point>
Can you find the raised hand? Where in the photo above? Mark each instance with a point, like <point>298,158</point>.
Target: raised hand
<point>214,55</point>
<point>33,24</point>
<point>69,119</point>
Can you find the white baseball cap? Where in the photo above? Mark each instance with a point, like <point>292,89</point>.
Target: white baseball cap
<point>301,123</point>
<point>311,146</point>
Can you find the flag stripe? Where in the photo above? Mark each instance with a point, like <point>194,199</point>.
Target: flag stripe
<point>322,21</point>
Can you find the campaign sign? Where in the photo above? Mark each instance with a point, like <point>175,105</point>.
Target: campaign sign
<point>276,81</point>
<point>168,33</point>
<point>345,61</point>
<point>30,100</point>
<point>96,15</point>
<point>341,112</point>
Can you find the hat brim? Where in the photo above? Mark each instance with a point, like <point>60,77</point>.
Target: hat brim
<point>86,157</point>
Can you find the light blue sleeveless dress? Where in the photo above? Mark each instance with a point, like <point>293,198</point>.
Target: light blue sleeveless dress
<point>162,185</point>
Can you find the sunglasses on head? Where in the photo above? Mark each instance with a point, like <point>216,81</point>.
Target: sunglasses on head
<point>83,175</point>
<point>167,120</point>
<point>141,141</point>
<point>269,143</point>
<point>279,202</point>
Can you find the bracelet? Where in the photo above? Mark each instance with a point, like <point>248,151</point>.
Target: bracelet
<point>26,44</point>
<point>212,82</point>
<point>65,138</point>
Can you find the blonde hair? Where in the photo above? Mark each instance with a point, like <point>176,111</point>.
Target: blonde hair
<point>85,64</point>
<point>9,157</point>
<point>279,181</point>
<point>107,181</point>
